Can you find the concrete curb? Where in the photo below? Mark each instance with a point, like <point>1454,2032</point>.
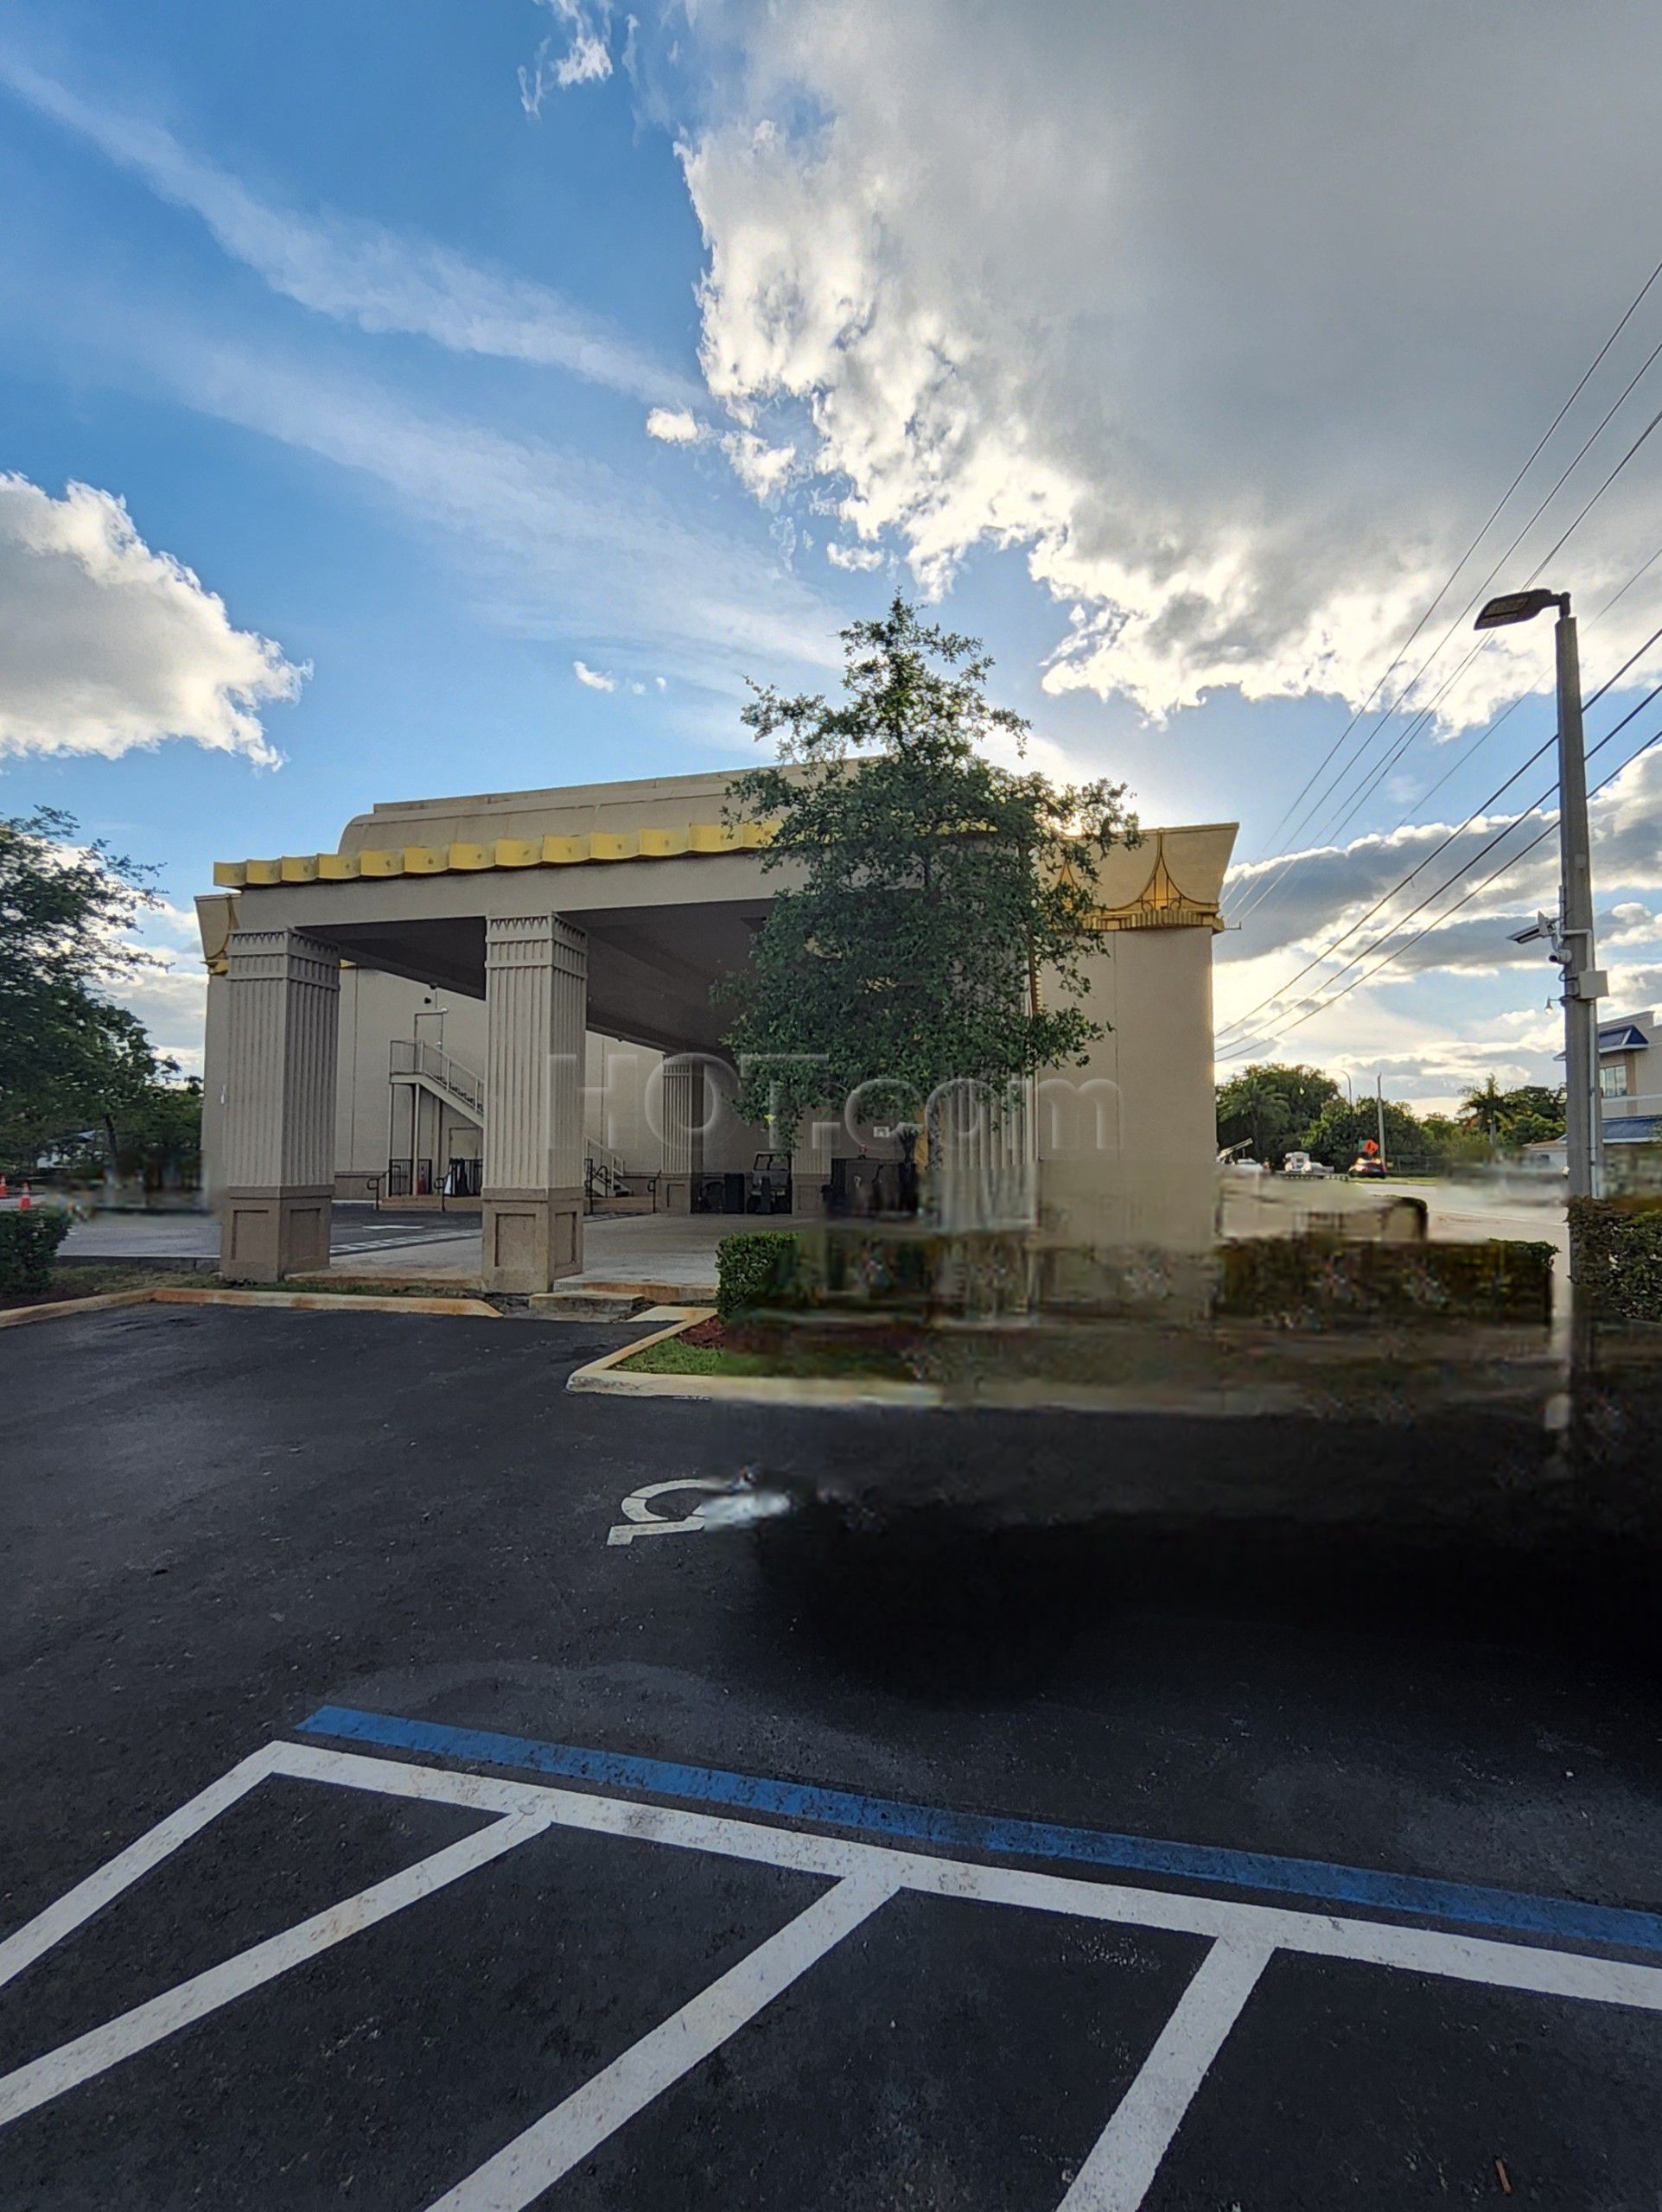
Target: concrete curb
<point>99,1303</point>
<point>313,1301</point>
<point>605,1377</point>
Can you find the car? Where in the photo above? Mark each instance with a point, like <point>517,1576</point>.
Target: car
<point>1368,1170</point>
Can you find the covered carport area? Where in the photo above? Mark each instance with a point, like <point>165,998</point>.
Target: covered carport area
<point>625,931</point>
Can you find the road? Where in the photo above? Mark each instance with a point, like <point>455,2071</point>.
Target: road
<point>605,1872</point>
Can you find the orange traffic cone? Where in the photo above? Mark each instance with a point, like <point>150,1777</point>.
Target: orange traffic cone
<point>24,1200</point>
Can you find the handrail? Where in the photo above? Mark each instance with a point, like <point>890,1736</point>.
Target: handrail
<point>414,1057</point>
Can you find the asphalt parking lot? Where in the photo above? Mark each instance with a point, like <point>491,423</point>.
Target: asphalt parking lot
<point>379,1829</point>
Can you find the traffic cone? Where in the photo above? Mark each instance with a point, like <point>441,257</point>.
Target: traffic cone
<point>24,1201</point>
<point>4,1192</point>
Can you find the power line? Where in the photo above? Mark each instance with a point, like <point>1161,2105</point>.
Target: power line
<point>1437,920</point>
<point>1477,814</point>
<point>1633,309</point>
<point>1424,714</point>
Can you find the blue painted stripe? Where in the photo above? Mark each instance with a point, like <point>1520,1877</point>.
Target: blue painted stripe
<point>1407,1896</point>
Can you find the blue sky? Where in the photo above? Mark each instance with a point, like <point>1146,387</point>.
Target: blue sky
<point>454,350</point>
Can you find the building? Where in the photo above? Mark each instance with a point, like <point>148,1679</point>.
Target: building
<point>1630,1089</point>
<point>511,994</point>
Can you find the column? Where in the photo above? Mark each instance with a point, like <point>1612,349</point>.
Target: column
<point>282,1029</point>
<point>536,1005</point>
<point>681,1102</point>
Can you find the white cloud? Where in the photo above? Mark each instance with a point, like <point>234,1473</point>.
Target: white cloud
<point>597,679</point>
<point>761,468</point>
<point>358,272</point>
<point>1229,321</point>
<point>1267,1009</point>
<point>675,426</point>
<point>586,58</point>
<point>106,645</point>
<point>854,556</point>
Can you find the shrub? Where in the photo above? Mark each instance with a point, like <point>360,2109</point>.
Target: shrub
<point>756,1269</point>
<point>28,1241</point>
<point>1617,1246</point>
<point>1317,1280</point>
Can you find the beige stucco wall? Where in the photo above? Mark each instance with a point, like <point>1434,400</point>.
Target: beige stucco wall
<point>1125,1144</point>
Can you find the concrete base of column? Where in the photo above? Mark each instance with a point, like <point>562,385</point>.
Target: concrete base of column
<point>265,1234</point>
<point>531,1239</point>
<point>675,1193</point>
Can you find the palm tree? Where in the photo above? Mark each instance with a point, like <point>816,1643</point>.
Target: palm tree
<point>1489,1108</point>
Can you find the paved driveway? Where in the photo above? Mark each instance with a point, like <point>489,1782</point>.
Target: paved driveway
<point>376,1830</point>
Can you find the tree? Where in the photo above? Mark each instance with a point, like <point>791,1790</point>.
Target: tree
<point>1340,1131</point>
<point>70,1059</point>
<point>934,887</point>
<point>1270,1106</point>
<point>158,1138</point>
<point>1510,1119</point>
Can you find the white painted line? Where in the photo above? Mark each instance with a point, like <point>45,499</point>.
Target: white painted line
<point>71,2064</point>
<point>1127,2154</point>
<point>1412,1949</point>
<point>26,1944</point>
<point>534,2161</point>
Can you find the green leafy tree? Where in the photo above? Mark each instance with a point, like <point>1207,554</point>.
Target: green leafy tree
<point>70,1059</point>
<point>932,888</point>
<point>1340,1131</point>
<point>158,1135</point>
<point>1269,1107</point>
<point>1510,1119</point>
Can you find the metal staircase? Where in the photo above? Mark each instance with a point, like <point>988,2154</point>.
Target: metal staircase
<point>413,1061</point>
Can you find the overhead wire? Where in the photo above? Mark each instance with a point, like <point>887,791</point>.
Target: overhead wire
<point>1477,815</point>
<point>1587,375</point>
<point>1423,713</point>
<point>1316,1005</point>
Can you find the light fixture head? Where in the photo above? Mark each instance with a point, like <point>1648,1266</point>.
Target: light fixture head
<point>1516,607</point>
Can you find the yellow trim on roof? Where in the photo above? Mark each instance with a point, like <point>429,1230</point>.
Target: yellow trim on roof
<point>600,845</point>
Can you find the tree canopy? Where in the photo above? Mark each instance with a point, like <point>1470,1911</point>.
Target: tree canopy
<point>935,888</point>
<point>1269,1107</point>
<point>71,1060</point>
<point>1532,1114</point>
<point>1272,1110</point>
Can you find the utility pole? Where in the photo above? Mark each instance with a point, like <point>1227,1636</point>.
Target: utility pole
<point>1583,984</point>
<point>1379,1108</point>
<point>1570,931</point>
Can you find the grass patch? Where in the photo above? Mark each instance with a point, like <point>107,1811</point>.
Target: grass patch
<point>711,1349</point>
<point>73,1279</point>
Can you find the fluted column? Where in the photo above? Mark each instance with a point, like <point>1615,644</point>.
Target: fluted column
<point>682,1103</point>
<point>282,1023</point>
<point>537,1001</point>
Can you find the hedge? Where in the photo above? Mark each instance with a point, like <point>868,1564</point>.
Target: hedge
<point>1319,1281</point>
<point>28,1241</point>
<point>907,1272</point>
<point>757,1270</point>
<point>1617,1244</point>
<point>1312,1281</point>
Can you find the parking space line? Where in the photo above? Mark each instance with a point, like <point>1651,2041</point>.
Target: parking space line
<point>1127,2154</point>
<point>71,2064</point>
<point>1412,1949</point>
<point>1411,1897</point>
<point>67,1913</point>
<point>535,2160</point>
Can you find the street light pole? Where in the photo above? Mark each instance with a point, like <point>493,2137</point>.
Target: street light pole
<point>1571,933</point>
<point>1583,1114</point>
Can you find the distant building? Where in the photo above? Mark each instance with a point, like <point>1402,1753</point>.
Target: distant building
<point>1630,1089</point>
